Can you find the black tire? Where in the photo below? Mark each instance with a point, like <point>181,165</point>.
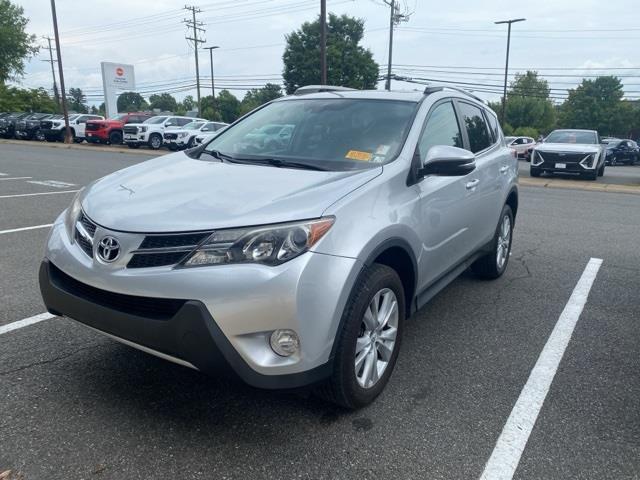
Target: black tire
<point>115,137</point>
<point>534,172</point>
<point>591,176</point>
<point>133,145</point>
<point>49,138</point>
<point>342,388</point>
<point>172,146</point>
<point>155,141</point>
<point>601,171</point>
<point>488,266</point>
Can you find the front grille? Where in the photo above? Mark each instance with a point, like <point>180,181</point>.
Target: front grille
<point>553,157</point>
<point>84,243</point>
<point>46,124</point>
<point>170,136</point>
<point>93,126</point>
<point>163,250</point>
<point>130,129</point>
<point>147,307</point>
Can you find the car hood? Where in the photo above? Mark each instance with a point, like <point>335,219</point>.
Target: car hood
<point>568,147</point>
<point>176,193</point>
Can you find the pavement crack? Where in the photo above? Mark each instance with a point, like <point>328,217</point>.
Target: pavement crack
<point>51,360</point>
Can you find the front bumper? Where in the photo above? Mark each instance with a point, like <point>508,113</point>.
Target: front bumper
<point>97,135</point>
<point>223,315</point>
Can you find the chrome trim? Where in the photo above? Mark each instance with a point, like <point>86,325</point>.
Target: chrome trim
<point>83,232</point>
<point>180,248</point>
<point>142,348</point>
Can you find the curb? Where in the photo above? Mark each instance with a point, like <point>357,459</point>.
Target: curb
<point>93,148</point>
<point>574,185</point>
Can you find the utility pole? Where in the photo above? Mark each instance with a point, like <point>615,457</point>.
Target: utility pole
<point>197,28</point>
<point>394,19</point>
<point>53,71</point>
<point>65,112</point>
<point>323,42</point>
<point>506,65</point>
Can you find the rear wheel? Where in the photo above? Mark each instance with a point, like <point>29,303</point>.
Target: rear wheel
<point>115,137</point>
<point>494,263</point>
<point>367,346</point>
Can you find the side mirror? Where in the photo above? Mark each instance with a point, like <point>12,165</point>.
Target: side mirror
<point>446,161</point>
<point>168,124</point>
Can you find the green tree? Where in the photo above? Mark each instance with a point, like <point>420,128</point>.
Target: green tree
<point>598,105</point>
<point>348,63</point>
<point>132,102</point>
<point>226,107</point>
<point>164,102</point>
<point>259,96</point>
<point>76,101</point>
<point>188,103</point>
<point>16,45</point>
<point>528,104</point>
<point>26,100</point>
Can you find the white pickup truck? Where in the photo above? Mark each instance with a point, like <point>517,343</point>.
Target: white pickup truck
<point>53,130</point>
<point>151,131</point>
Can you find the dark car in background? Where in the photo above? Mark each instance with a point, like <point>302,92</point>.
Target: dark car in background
<point>8,124</point>
<point>110,129</point>
<point>621,151</point>
<point>569,151</point>
<point>28,128</point>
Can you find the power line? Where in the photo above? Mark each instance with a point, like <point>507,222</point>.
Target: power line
<point>197,28</point>
<point>56,94</point>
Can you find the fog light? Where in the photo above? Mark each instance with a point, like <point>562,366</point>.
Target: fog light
<point>285,342</point>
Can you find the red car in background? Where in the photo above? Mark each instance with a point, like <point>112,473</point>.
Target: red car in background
<point>110,130</point>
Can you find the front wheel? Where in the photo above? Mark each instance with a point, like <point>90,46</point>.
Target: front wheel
<point>115,138</point>
<point>368,343</point>
<point>494,263</point>
<point>155,141</point>
<point>601,171</point>
<point>534,172</point>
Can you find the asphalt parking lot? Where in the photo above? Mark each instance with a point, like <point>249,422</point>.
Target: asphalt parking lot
<point>74,405</point>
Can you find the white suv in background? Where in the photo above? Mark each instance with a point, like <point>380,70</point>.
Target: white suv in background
<point>151,131</point>
<point>520,144</point>
<point>185,137</point>
<point>53,130</point>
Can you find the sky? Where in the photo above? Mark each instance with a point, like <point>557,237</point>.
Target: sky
<point>454,41</point>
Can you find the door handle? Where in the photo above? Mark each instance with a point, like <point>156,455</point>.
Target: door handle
<point>504,169</point>
<point>472,184</point>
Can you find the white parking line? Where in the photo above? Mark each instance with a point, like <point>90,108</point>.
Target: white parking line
<point>25,322</point>
<point>36,194</point>
<point>3,174</point>
<point>52,183</point>
<point>506,455</point>
<point>25,228</point>
<point>14,178</point>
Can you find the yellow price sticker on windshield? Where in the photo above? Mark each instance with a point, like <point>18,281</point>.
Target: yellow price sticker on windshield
<point>358,155</point>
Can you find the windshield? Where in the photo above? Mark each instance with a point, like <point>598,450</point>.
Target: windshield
<point>331,133</point>
<point>613,143</point>
<point>193,125</point>
<point>155,120</point>
<point>121,117</point>
<point>572,136</point>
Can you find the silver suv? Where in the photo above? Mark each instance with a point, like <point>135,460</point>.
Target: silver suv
<point>296,262</point>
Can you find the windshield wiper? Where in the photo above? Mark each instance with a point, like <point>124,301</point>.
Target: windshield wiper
<point>281,163</point>
<point>219,155</point>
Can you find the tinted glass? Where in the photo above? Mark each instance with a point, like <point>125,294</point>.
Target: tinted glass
<point>493,125</point>
<point>155,120</point>
<point>477,131</point>
<point>441,129</point>
<point>572,136</point>
<point>349,133</point>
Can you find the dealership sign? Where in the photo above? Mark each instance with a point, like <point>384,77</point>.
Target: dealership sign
<point>116,78</point>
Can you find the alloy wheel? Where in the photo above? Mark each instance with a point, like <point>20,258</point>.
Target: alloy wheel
<point>377,339</point>
<point>504,242</point>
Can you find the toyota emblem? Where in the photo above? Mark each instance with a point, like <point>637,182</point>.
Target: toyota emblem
<point>108,249</point>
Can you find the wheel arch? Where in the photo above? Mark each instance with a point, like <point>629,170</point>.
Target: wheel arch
<point>512,201</point>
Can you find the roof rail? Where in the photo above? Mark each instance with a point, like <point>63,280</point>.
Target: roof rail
<point>320,88</point>
<point>438,88</point>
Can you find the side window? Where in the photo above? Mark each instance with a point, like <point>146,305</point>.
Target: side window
<point>493,125</point>
<point>183,121</point>
<point>82,119</point>
<point>171,122</point>
<point>441,129</point>
<point>476,127</point>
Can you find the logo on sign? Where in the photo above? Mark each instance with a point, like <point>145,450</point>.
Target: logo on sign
<point>120,71</point>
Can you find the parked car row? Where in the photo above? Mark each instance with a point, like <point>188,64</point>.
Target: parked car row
<point>134,128</point>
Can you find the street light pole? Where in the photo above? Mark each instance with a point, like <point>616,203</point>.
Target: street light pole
<point>392,5</point>
<point>211,49</point>
<point>323,42</point>
<point>506,66</point>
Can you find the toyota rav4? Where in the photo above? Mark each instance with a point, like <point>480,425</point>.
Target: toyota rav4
<point>292,263</point>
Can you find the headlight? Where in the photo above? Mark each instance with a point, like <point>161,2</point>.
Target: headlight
<point>270,245</point>
<point>183,134</point>
<point>142,129</point>
<point>73,212</point>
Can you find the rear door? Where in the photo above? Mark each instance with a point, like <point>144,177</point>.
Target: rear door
<point>489,177</point>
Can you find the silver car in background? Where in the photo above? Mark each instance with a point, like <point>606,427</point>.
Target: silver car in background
<point>295,262</point>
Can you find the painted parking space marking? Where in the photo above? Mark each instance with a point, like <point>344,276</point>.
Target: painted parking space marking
<point>14,178</point>
<point>52,183</point>
<point>22,229</point>
<point>3,174</point>
<point>25,322</point>
<point>514,436</point>
<point>37,194</point>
